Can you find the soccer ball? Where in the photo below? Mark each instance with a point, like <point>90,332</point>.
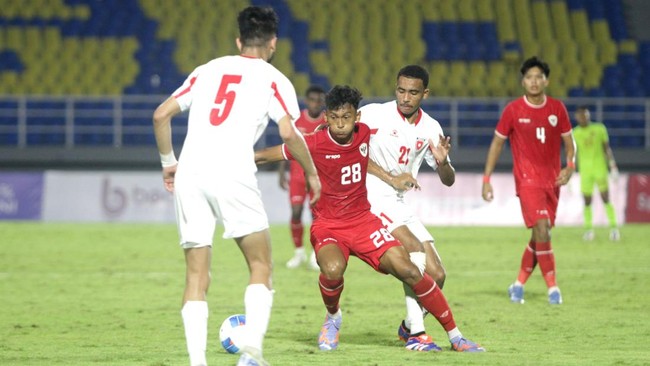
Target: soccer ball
<point>231,332</point>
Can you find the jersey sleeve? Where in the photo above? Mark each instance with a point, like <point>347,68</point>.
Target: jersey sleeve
<point>185,94</point>
<point>284,100</point>
<point>603,134</point>
<point>504,126</point>
<point>563,120</point>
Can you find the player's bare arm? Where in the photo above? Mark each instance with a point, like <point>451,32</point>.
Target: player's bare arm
<point>296,145</point>
<point>269,155</point>
<point>493,155</point>
<point>570,151</point>
<point>402,182</point>
<point>446,171</point>
<point>162,118</point>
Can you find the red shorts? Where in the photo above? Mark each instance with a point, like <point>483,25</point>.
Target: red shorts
<point>365,237</point>
<point>298,189</point>
<point>538,203</point>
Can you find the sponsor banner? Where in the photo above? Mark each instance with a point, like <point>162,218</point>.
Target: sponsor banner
<point>141,197</point>
<point>21,196</point>
<point>462,204</point>
<point>638,198</point>
<point>132,197</point>
<point>107,197</point>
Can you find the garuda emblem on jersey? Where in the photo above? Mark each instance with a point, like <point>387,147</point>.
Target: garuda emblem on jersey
<point>419,143</point>
<point>552,119</point>
<point>363,149</point>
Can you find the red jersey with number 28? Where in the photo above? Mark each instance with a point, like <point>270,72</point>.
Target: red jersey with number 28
<point>535,133</point>
<point>342,170</point>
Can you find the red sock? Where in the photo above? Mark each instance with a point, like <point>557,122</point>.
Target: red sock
<point>296,232</point>
<point>331,291</point>
<point>432,299</point>
<point>528,263</point>
<point>546,261</point>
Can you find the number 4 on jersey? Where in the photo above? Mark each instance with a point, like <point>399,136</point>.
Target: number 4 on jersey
<point>541,134</point>
<point>224,99</point>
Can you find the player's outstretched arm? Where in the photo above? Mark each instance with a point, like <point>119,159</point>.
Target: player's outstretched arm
<point>493,155</point>
<point>296,145</point>
<point>269,155</point>
<point>402,182</point>
<point>613,167</point>
<point>162,128</point>
<point>570,151</point>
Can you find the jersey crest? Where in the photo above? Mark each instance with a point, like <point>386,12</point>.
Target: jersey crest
<point>419,143</point>
<point>552,119</point>
<point>363,149</point>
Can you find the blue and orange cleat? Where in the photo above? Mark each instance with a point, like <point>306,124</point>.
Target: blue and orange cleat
<point>422,343</point>
<point>460,344</point>
<point>403,332</point>
<point>328,338</point>
<point>516,294</point>
<point>555,297</point>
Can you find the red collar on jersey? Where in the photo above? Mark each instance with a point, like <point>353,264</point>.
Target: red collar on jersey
<point>417,120</point>
<point>247,56</point>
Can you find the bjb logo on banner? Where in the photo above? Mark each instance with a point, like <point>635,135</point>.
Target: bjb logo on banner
<point>21,196</point>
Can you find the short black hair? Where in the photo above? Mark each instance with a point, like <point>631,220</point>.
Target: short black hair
<point>257,25</point>
<point>535,62</point>
<point>415,72</point>
<point>341,95</point>
<point>582,107</point>
<point>314,89</point>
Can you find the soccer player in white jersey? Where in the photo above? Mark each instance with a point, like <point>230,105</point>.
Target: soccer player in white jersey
<point>230,99</point>
<point>403,136</point>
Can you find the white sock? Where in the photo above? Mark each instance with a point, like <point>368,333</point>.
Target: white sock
<point>258,301</point>
<point>454,333</point>
<point>517,283</point>
<point>335,316</point>
<point>414,315</point>
<point>195,320</point>
<point>300,252</point>
<point>552,289</point>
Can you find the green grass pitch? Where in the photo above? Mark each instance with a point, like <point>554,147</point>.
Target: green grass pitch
<point>110,294</point>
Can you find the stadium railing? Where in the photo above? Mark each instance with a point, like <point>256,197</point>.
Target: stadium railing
<point>125,121</point>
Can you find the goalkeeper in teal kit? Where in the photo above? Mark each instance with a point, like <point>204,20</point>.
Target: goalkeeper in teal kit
<point>594,157</point>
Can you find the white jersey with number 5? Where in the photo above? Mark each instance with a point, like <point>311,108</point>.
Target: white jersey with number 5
<point>231,99</point>
<point>397,145</point>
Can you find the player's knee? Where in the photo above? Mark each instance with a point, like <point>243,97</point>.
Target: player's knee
<point>332,269</point>
<point>408,272</point>
<point>439,275</point>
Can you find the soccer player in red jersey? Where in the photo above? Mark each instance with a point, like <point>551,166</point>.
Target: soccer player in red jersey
<point>310,118</point>
<point>536,125</point>
<point>343,224</point>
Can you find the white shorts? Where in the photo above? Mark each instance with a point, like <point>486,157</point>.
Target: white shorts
<point>201,202</point>
<point>394,212</point>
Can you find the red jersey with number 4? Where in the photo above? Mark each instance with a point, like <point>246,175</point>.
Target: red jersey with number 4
<point>342,170</point>
<point>535,133</point>
<point>306,125</point>
<point>231,100</point>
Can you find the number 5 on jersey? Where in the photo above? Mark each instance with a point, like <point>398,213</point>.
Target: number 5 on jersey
<point>224,99</point>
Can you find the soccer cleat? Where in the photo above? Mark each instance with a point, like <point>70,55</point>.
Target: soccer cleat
<point>403,332</point>
<point>516,294</point>
<point>251,357</point>
<point>614,234</point>
<point>296,260</point>
<point>313,264</point>
<point>555,297</point>
<point>328,338</point>
<point>422,343</point>
<point>588,235</point>
<point>460,344</point>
